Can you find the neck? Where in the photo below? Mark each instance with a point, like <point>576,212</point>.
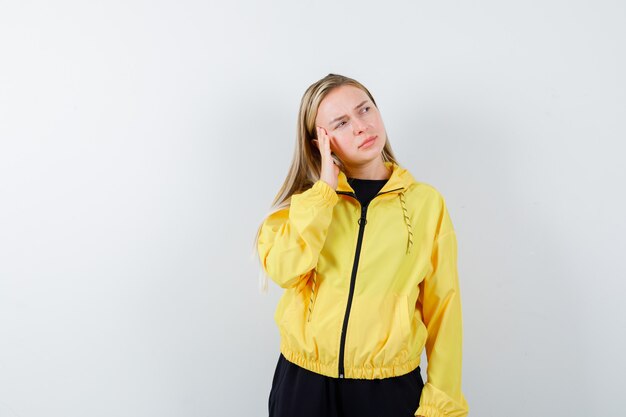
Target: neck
<point>371,170</point>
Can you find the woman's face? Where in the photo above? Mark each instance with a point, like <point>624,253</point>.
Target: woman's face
<point>350,118</point>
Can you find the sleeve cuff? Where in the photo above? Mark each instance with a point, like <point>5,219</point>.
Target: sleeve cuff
<point>436,403</point>
<point>429,411</point>
<point>322,189</point>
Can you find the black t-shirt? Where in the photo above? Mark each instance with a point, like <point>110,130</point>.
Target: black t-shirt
<point>365,190</point>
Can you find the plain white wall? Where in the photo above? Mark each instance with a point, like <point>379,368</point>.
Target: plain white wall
<point>141,144</point>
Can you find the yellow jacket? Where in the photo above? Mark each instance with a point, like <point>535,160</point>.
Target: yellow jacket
<point>367,288</point>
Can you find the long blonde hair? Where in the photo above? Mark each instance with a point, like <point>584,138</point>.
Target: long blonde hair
<point>306,163</point>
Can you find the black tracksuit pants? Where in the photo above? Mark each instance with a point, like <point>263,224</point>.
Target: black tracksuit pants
<point>298,392</point>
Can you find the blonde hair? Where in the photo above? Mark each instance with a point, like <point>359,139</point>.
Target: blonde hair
<point>306,164</point>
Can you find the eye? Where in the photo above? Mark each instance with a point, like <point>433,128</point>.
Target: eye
<point>339,125</point>
<point>366,108</point>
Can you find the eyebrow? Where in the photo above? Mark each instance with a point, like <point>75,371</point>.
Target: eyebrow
<point>341,117</point>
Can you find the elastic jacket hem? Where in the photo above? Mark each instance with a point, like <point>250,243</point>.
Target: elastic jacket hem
<point>330,369</point>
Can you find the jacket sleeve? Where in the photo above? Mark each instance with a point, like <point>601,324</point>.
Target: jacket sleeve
<point>441,395</point>
<point>291,240</point>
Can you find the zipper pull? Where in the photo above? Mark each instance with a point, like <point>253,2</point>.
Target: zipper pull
<point>362,219</point>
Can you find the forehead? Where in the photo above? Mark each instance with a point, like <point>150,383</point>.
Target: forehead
<point>339,101</point>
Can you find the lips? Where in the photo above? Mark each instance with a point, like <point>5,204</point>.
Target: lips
<point>368,140</point>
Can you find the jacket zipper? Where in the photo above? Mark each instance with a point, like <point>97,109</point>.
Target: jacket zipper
<point>362,221</point>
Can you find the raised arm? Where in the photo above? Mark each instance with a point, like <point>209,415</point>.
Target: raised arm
<point>291,240</point>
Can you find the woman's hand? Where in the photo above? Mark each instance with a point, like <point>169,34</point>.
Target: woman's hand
<point>330,170</point>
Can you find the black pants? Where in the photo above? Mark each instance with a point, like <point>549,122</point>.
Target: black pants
<point>298,392</point>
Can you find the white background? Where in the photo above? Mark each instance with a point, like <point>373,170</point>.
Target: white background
<point>141,143</point>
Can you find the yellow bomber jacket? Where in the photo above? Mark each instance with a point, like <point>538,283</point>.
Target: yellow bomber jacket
<point>368,288</point>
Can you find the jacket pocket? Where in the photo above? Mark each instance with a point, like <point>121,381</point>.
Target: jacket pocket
<point>379,329</point>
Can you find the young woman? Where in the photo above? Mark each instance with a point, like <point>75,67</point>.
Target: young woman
<point>367,256</point>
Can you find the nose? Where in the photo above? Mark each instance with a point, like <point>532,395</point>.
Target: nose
<point>358,127</point>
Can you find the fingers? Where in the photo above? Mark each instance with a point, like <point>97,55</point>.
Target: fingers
<point>319,141</point>
<point>327,148</point>
<point>326,143</point>
<point>323,145</point>
<point>323,142</point>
